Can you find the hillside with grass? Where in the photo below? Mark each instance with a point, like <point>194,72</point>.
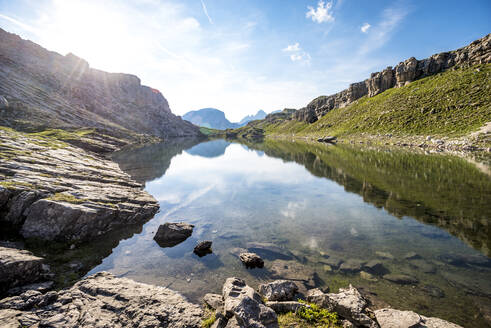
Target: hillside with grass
<point>454,103</point>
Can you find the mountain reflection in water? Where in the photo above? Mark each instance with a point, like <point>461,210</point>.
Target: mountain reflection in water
<point>310,207</point>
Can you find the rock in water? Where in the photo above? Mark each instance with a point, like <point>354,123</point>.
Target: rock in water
<point>251,260</point>
<point>279,290</point>
<point>102,300</point>
<point>170,234</point>
<point>401,279</point>
<point>18,267</point>
<point>203,248</point>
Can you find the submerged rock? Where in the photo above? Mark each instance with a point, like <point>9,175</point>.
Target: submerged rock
<point>411,256</point>
<point>292,270</point>
<point>203,248</point>
<point>270,250</point>
<point>251,260</point>
<point>376,267</point>
<point>279,290</point>
<point>351,266</point>
<point>170,234</point>
<point>401,279</point>
<point>385,255</point>
<point>102,300</point>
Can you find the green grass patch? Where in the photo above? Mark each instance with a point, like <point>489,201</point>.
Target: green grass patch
<point>209,318</point>
<point>13,184</point>
<point>453,103</point>
<point>67,198</point>
<point>309,316</point>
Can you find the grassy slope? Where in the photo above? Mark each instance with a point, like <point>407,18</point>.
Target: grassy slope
<point>452,103</point>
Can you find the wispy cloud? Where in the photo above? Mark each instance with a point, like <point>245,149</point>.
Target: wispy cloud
<point>22,25</point>
<point>205,10</point>
<point>322,13</point>
<point>382,32</point>
<point>292,47</point>
<point>365,27</point>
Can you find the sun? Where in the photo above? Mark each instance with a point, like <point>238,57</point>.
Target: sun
<point>89,29</point>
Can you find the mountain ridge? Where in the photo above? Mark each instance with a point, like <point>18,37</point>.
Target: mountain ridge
<point>64,91</point>
<point>215,119</point>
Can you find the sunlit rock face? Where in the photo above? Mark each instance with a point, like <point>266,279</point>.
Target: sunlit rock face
<point>67,91</point>
<point>478,52</point>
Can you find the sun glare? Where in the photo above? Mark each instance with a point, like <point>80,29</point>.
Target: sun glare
<point>90,30</point>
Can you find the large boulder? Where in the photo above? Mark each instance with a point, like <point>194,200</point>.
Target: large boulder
<point>170,234</point>
<point>279,290</point>
<point>348,303</point>
<point>244,304</point>
<point>18,268</point>
<point>102,300</point>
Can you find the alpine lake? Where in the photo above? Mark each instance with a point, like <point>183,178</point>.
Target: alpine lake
<point>409,229</point>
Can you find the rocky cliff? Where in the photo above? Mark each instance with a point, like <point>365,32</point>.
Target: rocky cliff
<point>63,91</point>
<point>478,52</point>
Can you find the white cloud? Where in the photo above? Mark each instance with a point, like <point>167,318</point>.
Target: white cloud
<point>365,27</point>
<point>205,10</point>
<point>297,54</point>
<point>383,31</point>
<point>322,13</point>
<point>23,26</point>
<point>292,47</point>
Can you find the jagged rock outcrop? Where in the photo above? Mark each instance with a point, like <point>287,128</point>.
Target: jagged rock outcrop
<point>53,191</point>
<point>101,300</point>
<point>64,91</point>
<point>478,52</point>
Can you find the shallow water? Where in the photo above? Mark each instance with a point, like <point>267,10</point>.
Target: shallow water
<point>317,203</point>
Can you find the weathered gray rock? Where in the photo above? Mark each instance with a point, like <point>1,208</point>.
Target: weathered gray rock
<point>70,92</point>
<point>285,307</point>
<point>348,303</point>
<point>245,305</point>
<point>39,287</point>
<point>203,248</point>
<point>170,234</point>
<point>214,301</point>
<point>4,104</point>
<point>391,318</point>
<point>251,260</point>
<point>402,279</point>
<point>54,191</point>
<point>18,268</point>
<point>279,290</point>
<point>102,300</point>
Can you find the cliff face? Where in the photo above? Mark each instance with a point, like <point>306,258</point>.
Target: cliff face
<point>67,91</point>
<point>478,52</point>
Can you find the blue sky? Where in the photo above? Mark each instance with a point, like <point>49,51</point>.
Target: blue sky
<point>244,55</point>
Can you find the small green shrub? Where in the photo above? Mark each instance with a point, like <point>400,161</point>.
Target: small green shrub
<point>314,314</point>
<point>206,323</point>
